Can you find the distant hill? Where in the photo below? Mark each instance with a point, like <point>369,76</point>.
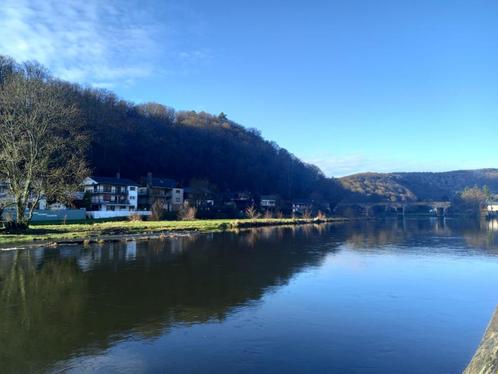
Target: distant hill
<point>416,186</point>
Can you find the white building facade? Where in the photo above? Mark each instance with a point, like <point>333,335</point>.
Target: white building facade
<point>111,197</point>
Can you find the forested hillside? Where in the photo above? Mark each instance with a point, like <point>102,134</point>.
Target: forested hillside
<point>417,186</point>
<point>138,138</point>
<point>135,139</point>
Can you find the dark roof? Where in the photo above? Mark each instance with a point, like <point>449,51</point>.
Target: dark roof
<point>114,181</point>
<point>201,190</point>
<point>164,183</point>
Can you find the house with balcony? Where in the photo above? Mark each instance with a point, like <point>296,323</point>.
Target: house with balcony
<point>199,197</point>
<point>268,202</point>
<point>159,189</point>
<point>301,206</point>
<point>491,208</point>
<point>111,197</point>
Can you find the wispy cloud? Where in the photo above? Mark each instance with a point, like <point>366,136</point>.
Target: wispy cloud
<point>89,41</point>
<point>339,166</point>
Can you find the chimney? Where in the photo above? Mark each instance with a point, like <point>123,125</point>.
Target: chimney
<point>118,175</point>
<point>149,179</point>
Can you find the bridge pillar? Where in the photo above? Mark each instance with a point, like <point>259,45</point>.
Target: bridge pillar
<point>440,211</point>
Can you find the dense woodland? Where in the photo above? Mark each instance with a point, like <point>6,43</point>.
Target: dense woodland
<point>138,138</point>
<point>114,135</point>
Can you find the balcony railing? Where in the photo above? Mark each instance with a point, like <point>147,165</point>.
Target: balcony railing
<point>97,200</point>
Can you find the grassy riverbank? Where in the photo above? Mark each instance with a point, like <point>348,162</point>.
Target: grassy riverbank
<point>95,230</point>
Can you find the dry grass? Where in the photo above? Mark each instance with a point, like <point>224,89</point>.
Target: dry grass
<point>94,230</point>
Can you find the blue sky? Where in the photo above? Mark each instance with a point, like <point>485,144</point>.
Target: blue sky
<point>352,85</point>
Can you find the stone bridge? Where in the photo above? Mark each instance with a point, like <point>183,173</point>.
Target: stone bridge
<point>438,208</point>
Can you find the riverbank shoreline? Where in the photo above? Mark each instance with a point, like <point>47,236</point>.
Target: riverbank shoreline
<point>485,360</point>
<point>88,233</point>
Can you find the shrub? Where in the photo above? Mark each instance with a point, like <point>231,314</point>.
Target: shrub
<point>307,214</point>
<point>251,212</point>
<point>187,214</point>
<point>157,210</point>
<point>321,216</point>
<point>135,217</point>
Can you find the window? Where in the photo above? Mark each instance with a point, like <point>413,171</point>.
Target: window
<point>178,191</point>
<point>132,197</point>
<point>178,200</point>
<point>132,188</point>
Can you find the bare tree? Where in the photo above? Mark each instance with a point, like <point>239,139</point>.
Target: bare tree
<point>307,213</point>
<point>5,200</point>
<point>473,198</point>
<point>320,216</point>
<point>158,210</point>
<point>187,213</point>
<point>251,212</point>
<point>42,145</point>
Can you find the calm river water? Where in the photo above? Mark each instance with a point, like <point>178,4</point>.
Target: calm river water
<point>410,296</point>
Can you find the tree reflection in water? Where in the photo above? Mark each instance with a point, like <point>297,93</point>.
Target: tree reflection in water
<point>56,303</point>
<point>59,303</point>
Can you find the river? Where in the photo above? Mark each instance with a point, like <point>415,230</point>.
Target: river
<point>395,296</point>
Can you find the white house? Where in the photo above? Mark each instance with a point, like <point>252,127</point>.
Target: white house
<point>492,207</point>
<point>300,206</point>
<point>111,197</point>
<point>268,201</point>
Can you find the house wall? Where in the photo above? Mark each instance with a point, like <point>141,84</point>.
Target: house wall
<point>177,197</point>
<point>268,203</point>
<point>492,207</point>
<point>42,204</point>
<point>114,195</point>
<point>133,196</point>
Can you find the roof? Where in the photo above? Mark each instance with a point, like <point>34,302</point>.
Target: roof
<point>164,183</point>
<point>199,190</point>
<point>114,181</point>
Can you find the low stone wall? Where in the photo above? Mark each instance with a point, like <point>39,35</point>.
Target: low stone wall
<point>485,361</point>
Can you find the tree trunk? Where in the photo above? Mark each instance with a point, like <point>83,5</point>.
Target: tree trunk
<point>21,222</point>
<point>20,213</point>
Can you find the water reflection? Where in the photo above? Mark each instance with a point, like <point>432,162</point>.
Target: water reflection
<point>423,232</point>
<point>57,304</point>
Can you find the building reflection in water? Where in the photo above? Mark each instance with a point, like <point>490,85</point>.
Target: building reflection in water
<point>493,225</point>
<point>74,299</point>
